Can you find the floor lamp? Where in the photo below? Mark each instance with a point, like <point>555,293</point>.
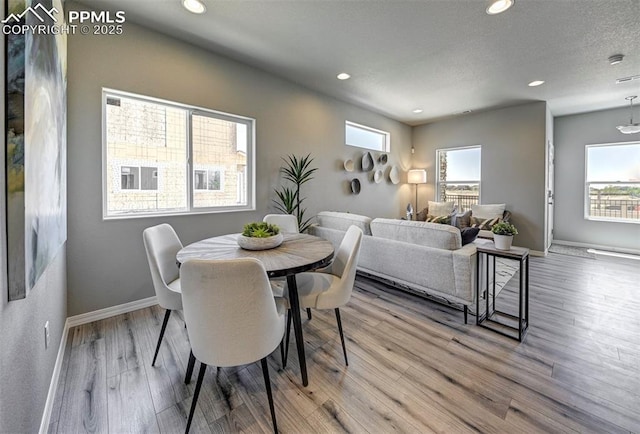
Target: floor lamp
<point>417,176</point>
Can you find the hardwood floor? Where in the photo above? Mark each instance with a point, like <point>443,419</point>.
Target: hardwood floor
<point>414,367</point>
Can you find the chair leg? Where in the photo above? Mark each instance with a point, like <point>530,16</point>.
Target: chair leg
<point>194,401</point>
<point>309,314</point>
<point>267,385</point>
<point>288,334</point>
<point>164,326</point>
<point>344,348</point>
<point>190,365</point>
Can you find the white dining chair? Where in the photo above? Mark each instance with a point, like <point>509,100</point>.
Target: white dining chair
<point>232,317</point>
<point>288,223</point>
<point>162,244</point>
<point>331,287</point>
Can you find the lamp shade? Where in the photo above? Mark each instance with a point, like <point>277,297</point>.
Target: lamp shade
<point>417,176</point>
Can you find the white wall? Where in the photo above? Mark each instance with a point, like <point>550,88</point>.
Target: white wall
<point>25,365</point>
<point>107,264</point>
<point>513,161</point>
<point>572,133</point>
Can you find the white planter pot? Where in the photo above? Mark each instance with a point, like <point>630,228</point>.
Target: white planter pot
<point>250,243</point>
<point>503,242</point>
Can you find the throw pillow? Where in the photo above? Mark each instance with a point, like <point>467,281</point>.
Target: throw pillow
<point>442,219</point>
<point>440,208</point>
<point>484,224</point>
<point>469,235</point>
<point>488,211</point>
<point>463,220</point>
<point>422,215</point>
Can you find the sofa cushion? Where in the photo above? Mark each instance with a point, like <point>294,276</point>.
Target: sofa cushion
<point>484,224</point>
<point>489,211</point>
<point>342,220</point>
<point>469,235</point>
<point>440,208</point>
<point>442,219</point>
<point>425,234</point>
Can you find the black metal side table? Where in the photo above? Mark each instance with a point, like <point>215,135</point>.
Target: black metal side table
<point>492,318</point>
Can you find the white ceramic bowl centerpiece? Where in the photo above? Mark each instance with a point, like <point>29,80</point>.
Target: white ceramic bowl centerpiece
<point>260,236</point>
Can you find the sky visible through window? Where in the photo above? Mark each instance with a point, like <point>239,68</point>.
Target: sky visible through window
<point>619,163</point>
<point>463,165</point>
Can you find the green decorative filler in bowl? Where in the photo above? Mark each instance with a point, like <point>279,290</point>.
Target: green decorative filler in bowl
<point>503,233</point>
<point>260,236</point>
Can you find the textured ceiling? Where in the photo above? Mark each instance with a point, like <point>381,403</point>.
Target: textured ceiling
<point>443,56</point>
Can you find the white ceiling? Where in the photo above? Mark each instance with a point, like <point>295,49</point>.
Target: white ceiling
<point>444,56</point>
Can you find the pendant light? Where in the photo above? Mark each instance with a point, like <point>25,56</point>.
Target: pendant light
<point>630,128</point>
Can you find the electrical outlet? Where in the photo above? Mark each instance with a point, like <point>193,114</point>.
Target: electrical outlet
<point>46,335</point>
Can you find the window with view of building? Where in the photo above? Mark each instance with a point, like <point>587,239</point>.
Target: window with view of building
<point>612,190</point>
<point>367,137</point>
<point>458,177</point>
<point>167,158</point>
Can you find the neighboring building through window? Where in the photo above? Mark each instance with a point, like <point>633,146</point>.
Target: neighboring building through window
<point>367,137</point>
<point>458,176</point>
<point>167,158</point>
<point>612,182</point>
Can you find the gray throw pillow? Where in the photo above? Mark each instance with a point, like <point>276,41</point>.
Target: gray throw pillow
<point>469,235</point>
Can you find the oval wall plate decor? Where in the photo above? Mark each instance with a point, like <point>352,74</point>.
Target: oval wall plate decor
<point>355,186</point>
<point>382,159</point>
<point>348,165</point>
<point>394,175</point>
<point>377,176</point>
<point>367,162</point>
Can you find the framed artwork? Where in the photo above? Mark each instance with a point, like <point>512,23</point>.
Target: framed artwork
<point>35,146</point>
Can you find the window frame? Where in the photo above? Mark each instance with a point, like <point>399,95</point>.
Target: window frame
<point>190,170</point>
<point>587,183</point>
<point>437,174</point>
<point>385,134</point>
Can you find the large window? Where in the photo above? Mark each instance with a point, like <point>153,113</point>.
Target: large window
<point>612,190</point>
<point>166,158</point>
<point>458,177</point>
<point>367,137</point>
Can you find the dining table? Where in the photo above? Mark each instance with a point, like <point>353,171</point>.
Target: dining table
<point>297,253</point>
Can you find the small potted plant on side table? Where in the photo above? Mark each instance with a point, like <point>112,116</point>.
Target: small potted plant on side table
<point>260,236</point>
<point>503,233</point>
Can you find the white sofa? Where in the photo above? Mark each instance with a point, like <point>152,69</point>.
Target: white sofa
<point>426,258</point>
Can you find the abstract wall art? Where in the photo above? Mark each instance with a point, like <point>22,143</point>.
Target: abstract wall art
<point>35,144</point>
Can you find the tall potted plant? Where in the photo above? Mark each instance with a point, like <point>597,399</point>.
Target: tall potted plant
<point>288,200</point>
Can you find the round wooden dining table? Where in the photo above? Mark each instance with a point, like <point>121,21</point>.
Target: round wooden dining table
<point>296,254</point>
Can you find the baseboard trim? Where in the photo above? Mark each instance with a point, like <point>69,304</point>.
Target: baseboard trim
<point>108,312</point>
<point>74,321</point>
<point>537,253</point>
<point>597,246</point>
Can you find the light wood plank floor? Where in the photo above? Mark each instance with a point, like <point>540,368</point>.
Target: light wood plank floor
<point>414,367</point>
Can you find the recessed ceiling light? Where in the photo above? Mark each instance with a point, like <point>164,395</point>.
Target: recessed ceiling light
<point>194,6</point>
<point>536,83</point>
<point>615,59</point>
<point>417,111</point>
<point>343,76</point>
<point>499,6</point>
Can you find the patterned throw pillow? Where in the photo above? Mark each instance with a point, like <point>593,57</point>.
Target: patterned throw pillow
<point>422,215</point>
<point>484,224</point>
<point>442,219</point>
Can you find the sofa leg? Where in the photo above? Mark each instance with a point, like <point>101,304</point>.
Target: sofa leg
<point>466,312</point>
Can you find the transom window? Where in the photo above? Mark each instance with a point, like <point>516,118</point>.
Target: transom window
<point>367,137</point>
<point>458,177</point>
<point>612,182</point>
<point>162,157</point>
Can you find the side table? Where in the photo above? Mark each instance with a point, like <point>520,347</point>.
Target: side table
<point>491,318</point>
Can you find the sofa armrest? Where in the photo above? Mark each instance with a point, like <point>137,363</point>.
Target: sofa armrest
<point>464,271</point>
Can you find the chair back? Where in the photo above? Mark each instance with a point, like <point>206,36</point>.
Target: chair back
<point>229,310</point>
<point>344,266</point>
<point>162,245</point>
<point>287,223</point>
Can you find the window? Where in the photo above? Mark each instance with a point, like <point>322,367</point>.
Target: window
<point>612,190</point>
<point>166,158</point>
<point>367,137</point>
<point>458,177</point>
